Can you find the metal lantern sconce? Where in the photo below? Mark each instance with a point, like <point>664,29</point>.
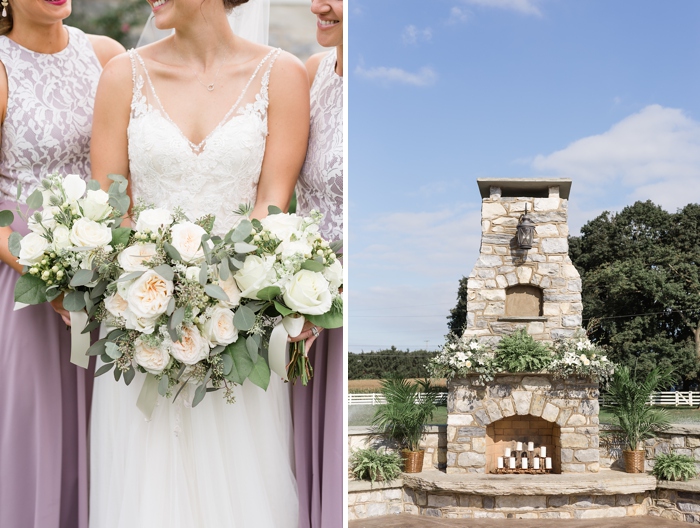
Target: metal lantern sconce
<point>526,231</point>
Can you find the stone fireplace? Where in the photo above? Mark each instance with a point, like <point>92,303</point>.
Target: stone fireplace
<point>540,290</point>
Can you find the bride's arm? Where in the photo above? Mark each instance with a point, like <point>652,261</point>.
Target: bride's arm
<point>288,134</point>
<point>108,147</point>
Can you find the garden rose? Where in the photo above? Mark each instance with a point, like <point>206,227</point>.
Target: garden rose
<point>187,239</point>
<point>153,359</point>
<point>282,225</point>
<point>334,274</point>
<point>192,273</point>
<point>74,187</point>
<point>308,292</point>
<point>95,205</point>
<point>61,238</point>
<point>256,274</point>
<point>219,329</point>
<point>32,248</point>
<point>133,257</point>
<point>192,346</point>
<point>153,220</point>
<point>116,305</point>
<point>288,248</point>
<point>231,289</point>
<point>148,296</point>
<point>145,325</point>
<point>88,233</point>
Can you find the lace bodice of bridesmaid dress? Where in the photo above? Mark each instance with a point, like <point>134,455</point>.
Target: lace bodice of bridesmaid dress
<point>214,177</point>
<point>320,184</point>
<point>49,112</point>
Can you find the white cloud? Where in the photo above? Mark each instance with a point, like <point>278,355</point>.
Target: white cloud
<point>424,77</point>
<point>653,154</point>
<point>457,15</point>
<point>524,7</point>
<point>412,35</point>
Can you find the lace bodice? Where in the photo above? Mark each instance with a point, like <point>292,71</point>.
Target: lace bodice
<point>214,177</point>
<point>320,184</point>
<point>49,112</point>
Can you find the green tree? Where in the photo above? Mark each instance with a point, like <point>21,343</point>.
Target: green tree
<point>641,285</point>
<point>457,320</point>
<point>389,363</point>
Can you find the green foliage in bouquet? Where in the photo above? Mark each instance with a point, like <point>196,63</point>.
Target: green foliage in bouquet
<point>674,467</point>
<point>519,352</point>
<point>370,464</point>
<point>408,408</point>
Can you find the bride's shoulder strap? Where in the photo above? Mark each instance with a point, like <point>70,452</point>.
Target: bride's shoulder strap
<point>265,82</point>
<point>139,104</point>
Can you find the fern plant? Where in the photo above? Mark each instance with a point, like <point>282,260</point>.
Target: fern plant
<point>370,464</point>
<point>674,467</point>
<point>519,352</point>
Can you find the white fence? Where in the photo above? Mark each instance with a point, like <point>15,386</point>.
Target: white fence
<point>666,399</point>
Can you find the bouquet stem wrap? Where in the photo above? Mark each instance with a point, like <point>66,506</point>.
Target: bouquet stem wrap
<point>279,351</point>
<point>79,342</point>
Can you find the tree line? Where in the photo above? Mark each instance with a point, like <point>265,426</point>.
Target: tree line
<point>387,363</point>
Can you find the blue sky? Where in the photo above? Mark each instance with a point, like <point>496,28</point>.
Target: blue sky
<point>441,92</point>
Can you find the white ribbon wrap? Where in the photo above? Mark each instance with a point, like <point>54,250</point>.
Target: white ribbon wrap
<point>279,346</point>
<point>79,343</point>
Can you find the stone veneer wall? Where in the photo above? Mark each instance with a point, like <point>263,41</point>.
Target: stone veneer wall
<point>572,404</point>
<point>546,266</point>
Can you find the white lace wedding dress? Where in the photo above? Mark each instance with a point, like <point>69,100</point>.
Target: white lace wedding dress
<point>218,465</point>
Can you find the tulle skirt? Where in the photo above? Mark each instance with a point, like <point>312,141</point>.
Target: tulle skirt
<point>217,465</point>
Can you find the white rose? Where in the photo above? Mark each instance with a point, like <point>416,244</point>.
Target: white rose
<point>74,187</point>
<point>288,248</point>
<point>149,295</point>
<point>61,238</point>
<point>32,248</point>
<point>191,348</point>
<point>187,239</point>
<point>256,274</point>
<point>95,205</point>
<point>116,305</point>
<point>231,289</point>
<point>48,223</point>
<point>192,273</point>
<point>133,257</point>
<point>334,274</point>
<point>308,293</point>
<point>88,233</point>
<point>219,329</point>
<point>145,325</point>
<point>282,225</point>
<point>154,219</point>
<point>153,359</point>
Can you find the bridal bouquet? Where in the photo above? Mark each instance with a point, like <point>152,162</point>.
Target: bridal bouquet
<point>74,228</point>
<point>299,277</point>
<point>175,308</point>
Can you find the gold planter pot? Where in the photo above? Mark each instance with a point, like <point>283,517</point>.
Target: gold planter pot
<point>412,460</point>
<point>634,461</point>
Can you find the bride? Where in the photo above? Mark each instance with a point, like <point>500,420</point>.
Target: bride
<point>203,120</point>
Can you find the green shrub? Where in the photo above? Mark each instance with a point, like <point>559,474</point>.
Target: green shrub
<point>370,464</point>
<point>674,467</point>
<point>519,352</point>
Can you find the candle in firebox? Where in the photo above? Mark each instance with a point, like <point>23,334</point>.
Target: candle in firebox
<point>512,463</point>
<point>507,452</point>
<point>500,462</point>
<point>524,463</point>
<point>536,463</point>
<point>531,446</point>
<point>519,446</point>
<point>548,463</point>
<point>543,451</point>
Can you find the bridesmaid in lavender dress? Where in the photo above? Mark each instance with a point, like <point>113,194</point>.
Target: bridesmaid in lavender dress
<point>318,407</point>
<point>48,77</point>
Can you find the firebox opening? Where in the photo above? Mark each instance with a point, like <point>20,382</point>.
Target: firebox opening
<point>526,428</point>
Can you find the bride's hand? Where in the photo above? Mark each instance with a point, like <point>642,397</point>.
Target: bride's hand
<point>57,305</point>
<point>309,332</point>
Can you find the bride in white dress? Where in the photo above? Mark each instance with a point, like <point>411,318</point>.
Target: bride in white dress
<point>203,120</point>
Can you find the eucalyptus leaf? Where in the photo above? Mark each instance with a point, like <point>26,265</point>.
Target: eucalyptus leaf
<point>217,350</point>
<point>90,327</point>
<point>74,301</point>
<point>35,200</point>
<point>129,375</point>
<point>215,291</point>
<point>180,389</point>
<point>244,247</point>
<point>82,277</point>
<point>172,252</point>
<point>204,274</point>
<point>180,371</point>
<point>112,350</point>
<point>99,289</point>
<point>131,276</point>
<point>116,178</point>
<point>228,364</point>
<point>244,318</point>
<point>6,218</point>
<point>312,265</point>
<point>120,203</point>
<point>199,394</point>
<point>52,292</point>
<point>104,369</point>
<point>260,375</point>
<point>19,190</point>
<point>121,236</point>
<point>171,306</point>
<point>252,346</point>
<point>14,243</point>
<point>97,349</point>
<point>93,185</point>
<point>241,232</point>
<point>174,334</point>
<point>331,319</point>
<point>224,271</point>
<point>256,305</point>
<point>30,290</point>
<point>117,375</point>
<point>242,364</point>
<point>165,271</point>
<point>282,309</point>
<point>269,293</point>
<point>163,385</point>
<point>336,246</point>
<point>177,317</point>
<point>235,263</point>
<point>115,334</point>
<point>89,305</point>
<point>273,210</point>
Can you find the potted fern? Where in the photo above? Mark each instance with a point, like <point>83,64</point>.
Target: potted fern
<point>674,467</point>
<point>402,418</point>
<point>370,464</point>
<point>627,399</point>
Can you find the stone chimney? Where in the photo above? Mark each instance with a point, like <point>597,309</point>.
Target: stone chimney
<point>511,288</point>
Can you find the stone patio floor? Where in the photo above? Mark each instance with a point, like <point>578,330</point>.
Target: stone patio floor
<point>418,521</point>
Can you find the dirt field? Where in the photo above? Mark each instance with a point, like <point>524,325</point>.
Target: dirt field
<point>373,385</point>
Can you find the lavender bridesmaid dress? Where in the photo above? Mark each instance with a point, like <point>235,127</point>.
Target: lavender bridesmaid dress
<point>318,407</point>
<point>44,399</point>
